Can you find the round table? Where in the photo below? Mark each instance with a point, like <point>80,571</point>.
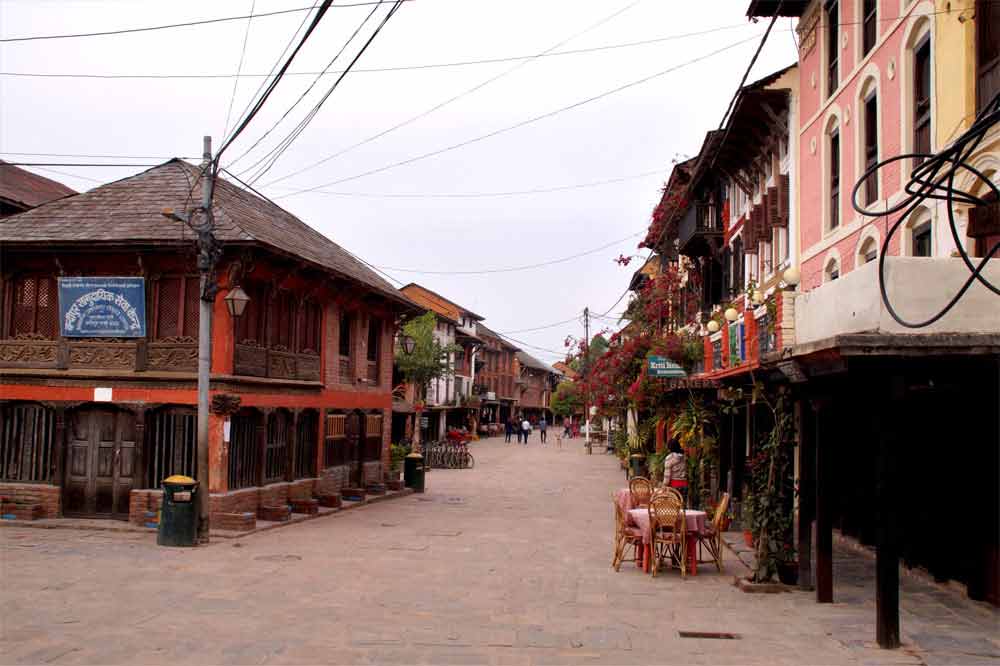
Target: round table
<point>695,526</point>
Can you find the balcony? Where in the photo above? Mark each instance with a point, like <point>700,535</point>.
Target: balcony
<point>699,230</point>
<point>917,288</point>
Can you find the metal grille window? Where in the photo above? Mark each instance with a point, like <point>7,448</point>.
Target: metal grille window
<point>35,308</point>
<point>335,440</point>
<point>373,437</point>
<point>279,428</point>
<point>27,433</point>
<point>832,46</point>
<point>871,147</point>
<point>834,179</point>
<point>869,26</point>
<point>305,444</point>
<point>172,444</point>
<point>922,99</point>
<point>244,451</point>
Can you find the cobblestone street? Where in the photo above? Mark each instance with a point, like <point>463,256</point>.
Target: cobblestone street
<point>507,563</point>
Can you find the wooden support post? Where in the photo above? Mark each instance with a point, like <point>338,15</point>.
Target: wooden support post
<point>887,533</point>
<point>824,519</point>
<point>807,445</point>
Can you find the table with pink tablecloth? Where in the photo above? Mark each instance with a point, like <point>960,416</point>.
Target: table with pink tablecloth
<point>623,497</point>
<point>695,527</point>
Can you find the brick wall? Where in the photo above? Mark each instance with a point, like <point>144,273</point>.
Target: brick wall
<point>143,502</point>
<point>49,497</point>
<point>372,472</point>
<point>237,501</point>
<point>332,479</point>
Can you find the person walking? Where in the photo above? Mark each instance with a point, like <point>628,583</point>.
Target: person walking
<point>543,426</point>
<point>675,469</point>
<point>526,428</point>
<point>567,427</point>
<point>508,430</point>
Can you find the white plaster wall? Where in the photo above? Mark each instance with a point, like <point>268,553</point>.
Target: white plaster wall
<point>917,287</point>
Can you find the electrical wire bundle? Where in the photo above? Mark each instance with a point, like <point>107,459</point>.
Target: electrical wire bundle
<point>934,179</point>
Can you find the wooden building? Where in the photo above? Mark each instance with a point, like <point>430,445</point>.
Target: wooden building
<point>300,383</point>
<point>495,383</point>
<point>22,190</point>
<point>534,386</point>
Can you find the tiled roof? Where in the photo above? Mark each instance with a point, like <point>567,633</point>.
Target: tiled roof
<point>26,189</point>
<point>447,307</point>
<point>530,361</point>
<point>483,331</point>
<point>129,211</point>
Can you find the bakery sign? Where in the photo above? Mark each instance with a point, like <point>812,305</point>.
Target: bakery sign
<point>102,307</point>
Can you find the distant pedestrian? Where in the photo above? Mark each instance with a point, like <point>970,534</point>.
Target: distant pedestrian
<point>508,430</point>
<point>567,427</point>
<point>543,427</point>
<point>526,428</point>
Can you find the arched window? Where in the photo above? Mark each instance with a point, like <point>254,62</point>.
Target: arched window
<point>869,135</point>
<point>917,84</point>
<point>918,236</point>
<point>832,170</point>
<point>868,251</point>
<point>832,270</point>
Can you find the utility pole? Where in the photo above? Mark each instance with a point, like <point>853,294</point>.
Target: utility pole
<point>207,254</point>
<point>586,373</point>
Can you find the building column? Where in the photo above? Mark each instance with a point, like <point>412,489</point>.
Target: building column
<point>887,492</point>
<point>823,445</point>
<point>806,512</point>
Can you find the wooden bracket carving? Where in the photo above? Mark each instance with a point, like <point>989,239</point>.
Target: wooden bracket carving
<point>225,404</point>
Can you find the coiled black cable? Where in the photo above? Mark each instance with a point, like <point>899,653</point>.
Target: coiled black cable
<point>934,179</point>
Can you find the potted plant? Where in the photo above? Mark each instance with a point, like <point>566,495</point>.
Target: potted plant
<point>397,453</point>
<point>746,520</point>
<point>788,565</point>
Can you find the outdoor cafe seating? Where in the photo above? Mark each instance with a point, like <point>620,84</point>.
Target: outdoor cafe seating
<point>656,529</point>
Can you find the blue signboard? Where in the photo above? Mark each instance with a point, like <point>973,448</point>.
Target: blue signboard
<point>102,307</point>
<point>662,367</point>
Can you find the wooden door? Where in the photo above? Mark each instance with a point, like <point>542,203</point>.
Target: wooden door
<point>354,429</point>
<point>101,463</point>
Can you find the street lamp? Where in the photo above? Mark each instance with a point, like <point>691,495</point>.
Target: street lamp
<point>757,297</point>
<point>236,301</point>
<point>713,326</point>
<point>792,277</point>
<point>732,314</point>
<point>408,344</point>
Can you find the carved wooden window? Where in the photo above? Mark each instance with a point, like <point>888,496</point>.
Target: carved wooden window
<point>345,345</point>
<point>373,349</point>
<point>922,99</point>
<point>276,450</point>
<point>373,437</point>
<point>305,444</point>
<point>281,321</point>
<point>27,434</point>
<point>335,440</point>
<point>34,311</point>
<point>310,328</point>
<point>244,449</point>
<point>172,445</point>
<point>176,303</point>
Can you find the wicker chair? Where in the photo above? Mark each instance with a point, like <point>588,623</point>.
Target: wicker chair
<point>711,539</point>
<point>669,528</point>
<point>625,535</point>
<point>642,490</point>
<point>667,491</point>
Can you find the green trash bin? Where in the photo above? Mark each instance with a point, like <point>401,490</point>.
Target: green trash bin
<point>179,513</point>
<point>413,472</point>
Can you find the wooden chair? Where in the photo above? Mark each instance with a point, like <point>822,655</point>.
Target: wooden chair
<point>711,538</point>
<point>667,491</point>
<point>641,489</point>
<point>669,528</point>
<point>625,535</point>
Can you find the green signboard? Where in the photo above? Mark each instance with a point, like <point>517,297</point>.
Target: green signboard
<point>660,367</point>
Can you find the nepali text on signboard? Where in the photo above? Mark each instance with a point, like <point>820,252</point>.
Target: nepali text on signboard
<point>102,307</point>
<point>662,367</point>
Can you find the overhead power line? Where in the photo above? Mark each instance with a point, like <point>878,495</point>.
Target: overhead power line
<point>114,157</point>
<point>76,164</point>
<point>478,195</point>
<point>239,67</point>
<point>391,68</point>
<point>514,269</point>
<point>440,105</point>
<point>187,24</point>
<point>523,123</point>
<point>541,328</point>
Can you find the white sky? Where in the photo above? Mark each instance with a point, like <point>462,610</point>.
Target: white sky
<point>625,134</point>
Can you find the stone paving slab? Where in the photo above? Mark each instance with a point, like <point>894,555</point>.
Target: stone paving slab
<point>508,563</point>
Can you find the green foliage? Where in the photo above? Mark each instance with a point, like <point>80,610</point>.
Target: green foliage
<point>429,359</point>
<point>397,452</point>
<point>566,399</point>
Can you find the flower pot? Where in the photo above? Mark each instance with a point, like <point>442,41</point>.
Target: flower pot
<point>788,572</point>
<point>748,538</point>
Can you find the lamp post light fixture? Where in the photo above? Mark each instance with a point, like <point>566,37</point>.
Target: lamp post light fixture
<point>408,344</point>
<point>792,277</point>
<point>732,315</point>
<point>236,301</point>
<point>757,297</point>
<point>713,326</point>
